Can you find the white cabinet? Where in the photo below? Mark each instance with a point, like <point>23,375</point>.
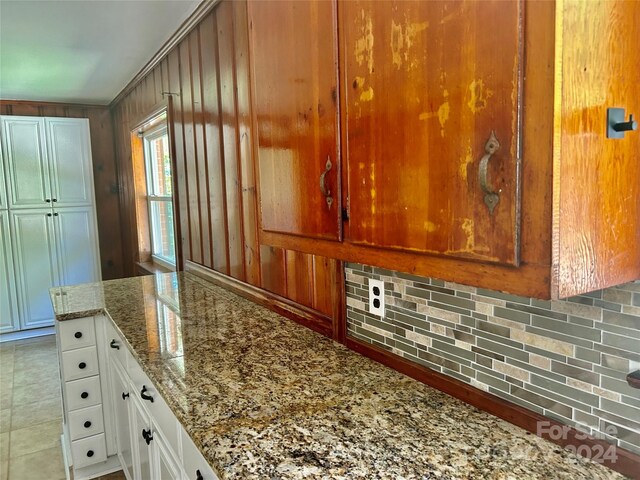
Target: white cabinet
<point>150,441</point>
<point>25,153</point>
<point>8,301</point>
<point>36,265</point>
<point>87,421</point>
<point>48,161</point>
<point>46,184</point>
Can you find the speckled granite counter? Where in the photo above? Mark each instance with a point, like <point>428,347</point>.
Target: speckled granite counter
<point>265,398</point>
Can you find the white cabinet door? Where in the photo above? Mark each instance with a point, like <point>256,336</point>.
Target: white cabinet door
<point>166,467</point>
<point>3,185</point>
<point>35,264</point>
<point>8,302</point>
<point>70,161</point>
<point>77,245</point>
<point>25,153</point>
<point>141,428</point>
<point>121,398</point>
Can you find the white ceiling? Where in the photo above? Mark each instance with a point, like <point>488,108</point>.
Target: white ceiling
<point>81,51</point>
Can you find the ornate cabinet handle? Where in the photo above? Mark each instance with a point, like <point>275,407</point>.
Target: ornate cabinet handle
<point>323,187</point>
<point>491,197</point>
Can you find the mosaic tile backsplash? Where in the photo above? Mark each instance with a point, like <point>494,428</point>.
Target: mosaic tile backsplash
<point>564,359</point>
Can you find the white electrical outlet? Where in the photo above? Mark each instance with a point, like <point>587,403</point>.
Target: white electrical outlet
<point>633,366</point>
<point>376,297</point>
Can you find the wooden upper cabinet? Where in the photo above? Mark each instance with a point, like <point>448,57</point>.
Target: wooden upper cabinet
<point>294,56</point>
<point>427,85</point>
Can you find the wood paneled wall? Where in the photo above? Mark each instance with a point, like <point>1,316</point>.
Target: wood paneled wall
<point>209,78</point>
<point>104,172</point>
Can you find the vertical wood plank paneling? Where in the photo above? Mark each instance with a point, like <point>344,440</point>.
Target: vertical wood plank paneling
<point>245,153</point>
<point>324,281</point>
<point>195,245</point>
<point>299,277</point>
<point>213,143</point>
<point>201,154</point>
<point>224,15</point>
<point>174,86</point>
<point>273,270</point>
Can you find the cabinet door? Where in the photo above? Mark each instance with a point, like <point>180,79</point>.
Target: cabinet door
<point>70,159</point>
<point>166,467</point>
<point>121,402</point>
<point>425,85</point>
<point>295,80</point>
<point>142,451</point>
<point>76,238</point>
<point>36,265</point>
<point>8,303</point>
<point>3,185</point>
<point>24,148</point>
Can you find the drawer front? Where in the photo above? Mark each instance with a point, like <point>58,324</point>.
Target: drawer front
<point>80,363</point>
<point>83,393</point>
<point>76,333</point>
<point>193,461</point>
<point>116,347</point>
<point>86,422</point>
<point>89,451</point>
<point>162,415</point>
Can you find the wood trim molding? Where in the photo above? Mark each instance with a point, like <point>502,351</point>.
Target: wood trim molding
<point>298,313</point>
<point>196,16</point>
<point>626,462</point>
<point>32,103</point>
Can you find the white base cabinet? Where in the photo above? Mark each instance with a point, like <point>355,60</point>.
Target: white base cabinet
<point>113,413</point>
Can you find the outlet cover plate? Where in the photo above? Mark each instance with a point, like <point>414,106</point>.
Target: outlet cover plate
<point>633,366</point>
<point>376,297</point>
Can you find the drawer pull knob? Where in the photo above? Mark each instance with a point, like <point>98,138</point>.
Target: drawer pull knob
<point>82,365</point>
<point>113,344</point>
<point>90,453</point>
<point>87,424</point>
<point>124,395</point>
<point>143,394</point>
<point>199,475</point>
<point>84,395</point>
<point>78,334</point>
<point>146,434</point>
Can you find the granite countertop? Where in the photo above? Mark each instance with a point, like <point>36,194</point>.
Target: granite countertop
<point>265,398</point>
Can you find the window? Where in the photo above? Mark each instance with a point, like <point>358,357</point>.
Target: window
<point>157,165</point>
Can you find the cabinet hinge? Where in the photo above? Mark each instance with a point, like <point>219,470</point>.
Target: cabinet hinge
<point>345,212</point>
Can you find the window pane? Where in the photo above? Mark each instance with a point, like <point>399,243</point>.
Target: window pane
<point>160,165</point>
<point>162,230</point>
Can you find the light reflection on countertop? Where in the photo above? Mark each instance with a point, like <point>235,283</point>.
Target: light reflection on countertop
<point>263,397</point>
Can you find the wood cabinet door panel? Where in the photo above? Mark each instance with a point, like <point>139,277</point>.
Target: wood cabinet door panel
<point>294,66</point>
<point>425,84</point>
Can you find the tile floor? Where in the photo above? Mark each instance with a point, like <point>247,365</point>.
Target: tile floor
<point>31,411</point>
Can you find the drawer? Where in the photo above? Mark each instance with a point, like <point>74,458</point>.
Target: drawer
<point>162,415</point>
<point>86,422</point>
<point>89,451</point>
<point>193,461</point>
<point>83,393</point>
<point>79,363</point>
<point>76,333</point>
<point>114,344</point>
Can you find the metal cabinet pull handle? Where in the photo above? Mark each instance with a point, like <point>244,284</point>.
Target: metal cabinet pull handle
<point>143,394</point>
<point>48,200</point>
<point>113,344</point>
<point>491,197</point>
<point>323,188</point>
<point>124,395</point>
<point>199,475</point>
<point>90,453</point>
<point>84,395</point>
<point>82,365</point>
<point>87,424</point>
<point>147,435</point>
<point>78,334</point>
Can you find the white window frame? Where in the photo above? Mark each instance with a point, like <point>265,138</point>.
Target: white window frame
<point>149,172</point>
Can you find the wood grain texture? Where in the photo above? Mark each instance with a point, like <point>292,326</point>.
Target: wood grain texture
<point>420,107</point>
<point>105,173</point>
<point>596,186</point>
<point>294,66</point>
<point>211,120</point>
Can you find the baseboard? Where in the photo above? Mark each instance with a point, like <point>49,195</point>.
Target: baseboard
<point>25,334</point>
<point>288,308</point>
<point>626,462</point>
